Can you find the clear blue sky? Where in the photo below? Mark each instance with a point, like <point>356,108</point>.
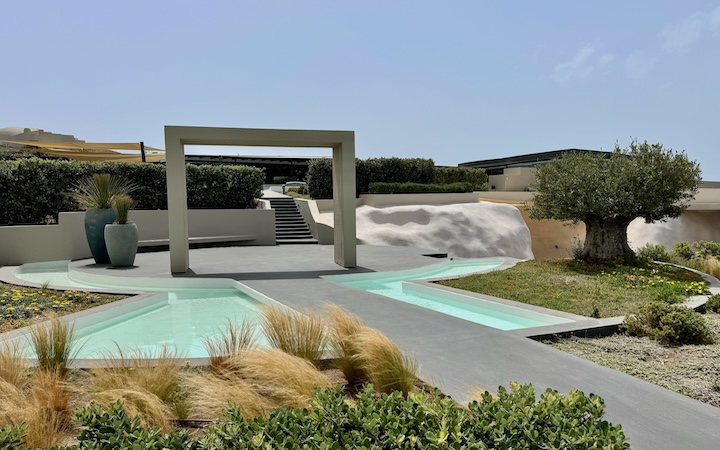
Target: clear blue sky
<point>455,81</point>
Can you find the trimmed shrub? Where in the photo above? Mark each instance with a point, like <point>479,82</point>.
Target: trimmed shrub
<point>405,188</point>
<point>390,170</point>
<point>36,190</point>
<point>713,303</point>
<point>668,324</point>
<point>653,252</point>
<point>448,175</point>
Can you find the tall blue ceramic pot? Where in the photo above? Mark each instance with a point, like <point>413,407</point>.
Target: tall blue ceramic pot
<point>95,221</point>
<point>122,243</point>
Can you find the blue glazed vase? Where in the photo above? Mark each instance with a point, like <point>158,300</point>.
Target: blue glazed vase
<point>122,243</point>
<point>95,221</point>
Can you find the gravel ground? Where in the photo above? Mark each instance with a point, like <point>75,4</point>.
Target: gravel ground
<point>692,370</point>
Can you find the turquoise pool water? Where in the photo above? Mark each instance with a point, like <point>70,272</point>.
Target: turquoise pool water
<point>178,318</point>
<point>399,286</point>
<point>181,320</point>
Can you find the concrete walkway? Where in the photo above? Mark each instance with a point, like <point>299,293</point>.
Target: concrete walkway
<point>454,354</point>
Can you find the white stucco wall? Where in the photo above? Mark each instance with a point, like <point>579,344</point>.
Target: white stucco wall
<point>465,230</point>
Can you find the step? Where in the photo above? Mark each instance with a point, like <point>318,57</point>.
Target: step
<point>296,241</point>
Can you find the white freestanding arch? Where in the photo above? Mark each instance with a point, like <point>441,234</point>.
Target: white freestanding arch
<point>343,154</point>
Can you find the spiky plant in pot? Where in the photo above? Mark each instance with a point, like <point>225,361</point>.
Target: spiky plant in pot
<point>121,237</point>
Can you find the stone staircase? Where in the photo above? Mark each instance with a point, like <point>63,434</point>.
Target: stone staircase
<point>290,227</point>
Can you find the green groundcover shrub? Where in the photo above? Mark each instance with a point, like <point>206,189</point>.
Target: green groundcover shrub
<point>36,190</point>
<point>399,188</point>
<point>713,303</point>
<point>516,419</point>
<point>652,252</point>
<point>668,324</point>
<point>391,170</point>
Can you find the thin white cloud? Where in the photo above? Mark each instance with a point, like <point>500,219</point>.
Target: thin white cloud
<point>639,65</point>
<point>582,65</point>
<point>680,37</point>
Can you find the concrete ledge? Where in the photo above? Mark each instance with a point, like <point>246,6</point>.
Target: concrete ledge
<point>200,240</point>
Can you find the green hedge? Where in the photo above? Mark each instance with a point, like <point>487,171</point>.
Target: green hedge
<point>448,175</point>
<point>400,188</point>
<point>35,190</point>
<point>516,419</point>
<point>392,170</point>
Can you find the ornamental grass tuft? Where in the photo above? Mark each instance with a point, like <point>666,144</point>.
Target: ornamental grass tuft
<point>301,334</point>
<point>54,345</point>
<point>386,366</point>
<point>230,342</point>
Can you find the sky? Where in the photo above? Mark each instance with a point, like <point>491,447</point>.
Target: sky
<point>454,81</point>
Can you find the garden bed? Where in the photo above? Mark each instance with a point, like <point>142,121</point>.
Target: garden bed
<point>585,288</point>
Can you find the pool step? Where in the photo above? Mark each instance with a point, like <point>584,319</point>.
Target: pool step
<point>290,227</point>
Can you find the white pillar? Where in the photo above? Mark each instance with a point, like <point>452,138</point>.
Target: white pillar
<point>177,202</point>
<point>344,203</point>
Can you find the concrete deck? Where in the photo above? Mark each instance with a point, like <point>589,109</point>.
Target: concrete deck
<point>453,354</point>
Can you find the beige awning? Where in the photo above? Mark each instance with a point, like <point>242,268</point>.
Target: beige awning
<point>95,151</point>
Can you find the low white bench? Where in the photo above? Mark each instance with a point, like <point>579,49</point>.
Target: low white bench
<point>199,240</point>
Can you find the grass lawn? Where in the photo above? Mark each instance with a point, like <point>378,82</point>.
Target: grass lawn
<point>585,288</point>
<point>692,370</point>
<point>21,306</point>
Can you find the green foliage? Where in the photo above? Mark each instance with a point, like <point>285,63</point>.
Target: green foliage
<point>393,170</point>
<point>683,250</point>
<point>114,429</point>
<point>389,421</point>
<point>697,249</point>
<point>11,437</point>
<point>668,324</point>
<point>398,188</point>
<point>644,180</point>
<point>99,190</point>
<point>35,190</point>
<point>652,252</point>
<point>448,175</point>
<point>713,303</point>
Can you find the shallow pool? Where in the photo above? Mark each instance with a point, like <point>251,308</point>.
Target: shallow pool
<point>176,317</point>
<point>399,286</point>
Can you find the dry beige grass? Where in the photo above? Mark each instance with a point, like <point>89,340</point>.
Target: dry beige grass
<point>230,342</point>
<point>285,380</point>
<point>387,367</point>
<point>712,267</point>
<point>54,344</point>
<point>152,384</point>
<point>43,406</point>
<point>13,369</point>
<point>138,402</point>
<point>211,393</point>
<point>345,328</point>
<point>302,334</point>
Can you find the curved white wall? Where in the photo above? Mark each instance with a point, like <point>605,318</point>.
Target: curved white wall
<point>464,230</point>
<point>690,226</point>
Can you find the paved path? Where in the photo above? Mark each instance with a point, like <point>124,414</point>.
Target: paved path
<point>454,354</point>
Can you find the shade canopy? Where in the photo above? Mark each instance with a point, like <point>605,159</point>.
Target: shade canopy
<point>95,151</point>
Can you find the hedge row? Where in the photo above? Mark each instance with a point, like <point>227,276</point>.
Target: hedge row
<point>513,420</point>
<point>391,170</point>
<point>402,188</point>
<point>36,190</point>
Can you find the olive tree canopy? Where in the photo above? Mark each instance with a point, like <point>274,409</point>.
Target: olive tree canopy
<point>607,193</point>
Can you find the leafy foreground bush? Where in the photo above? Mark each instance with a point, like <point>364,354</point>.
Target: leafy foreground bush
<point>668,324</point>
<point>515,419</point>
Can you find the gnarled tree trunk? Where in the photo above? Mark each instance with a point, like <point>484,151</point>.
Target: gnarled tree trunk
<point>607,240</point>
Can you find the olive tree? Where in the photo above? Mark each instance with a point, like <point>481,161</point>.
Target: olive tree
<point>607,192</point>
